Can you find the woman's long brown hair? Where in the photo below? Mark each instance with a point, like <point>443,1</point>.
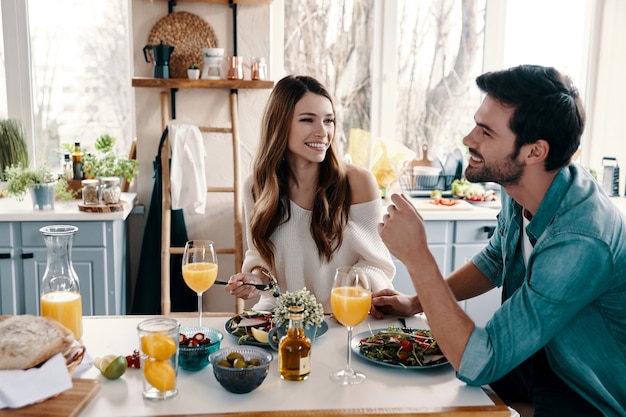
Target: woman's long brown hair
<point>271,174</point>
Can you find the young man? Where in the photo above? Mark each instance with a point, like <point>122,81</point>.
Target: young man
<point>559,252</point>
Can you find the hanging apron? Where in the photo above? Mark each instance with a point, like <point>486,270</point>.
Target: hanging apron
<point>147,297</point>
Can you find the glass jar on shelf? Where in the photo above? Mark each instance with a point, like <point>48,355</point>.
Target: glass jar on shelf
<point>110,191</point>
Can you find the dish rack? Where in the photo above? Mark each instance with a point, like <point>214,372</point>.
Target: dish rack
<point>423,185</point>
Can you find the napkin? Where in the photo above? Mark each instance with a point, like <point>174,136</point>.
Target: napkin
<point>19,388</point>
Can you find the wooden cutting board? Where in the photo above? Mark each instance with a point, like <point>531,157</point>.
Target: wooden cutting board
<point>101,208</point>
<point>423,204</point>
<point>67,404</point>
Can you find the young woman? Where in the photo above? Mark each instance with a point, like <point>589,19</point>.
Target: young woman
<point>307,212</point>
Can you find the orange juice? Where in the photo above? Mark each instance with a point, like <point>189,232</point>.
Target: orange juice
<point>200,276</point>
<point>350,305</point>
<point>66,308</point>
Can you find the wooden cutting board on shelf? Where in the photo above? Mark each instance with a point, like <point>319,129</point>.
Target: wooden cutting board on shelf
<point>424,162</point>
<point>67,404</point>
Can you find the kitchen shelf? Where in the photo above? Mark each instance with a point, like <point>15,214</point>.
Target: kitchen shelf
<point>246,2</point>
<point>187,83</point>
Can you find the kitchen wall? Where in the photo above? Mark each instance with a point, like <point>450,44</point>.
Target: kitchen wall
<point>203,107</point>
<point>606,110</point>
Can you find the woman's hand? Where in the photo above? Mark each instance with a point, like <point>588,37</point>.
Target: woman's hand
<point>392,302</point>
<point>235,285</point>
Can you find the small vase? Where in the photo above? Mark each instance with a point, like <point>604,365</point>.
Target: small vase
<point>43,196</point>
<point>193,74</point>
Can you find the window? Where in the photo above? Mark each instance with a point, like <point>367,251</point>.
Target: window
<point>406,69</point>
<point>76,85</point>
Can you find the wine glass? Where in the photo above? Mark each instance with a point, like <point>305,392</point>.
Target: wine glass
<point>199,268</point>
<point>350,300</point>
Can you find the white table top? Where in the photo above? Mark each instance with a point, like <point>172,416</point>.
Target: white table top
<point>423,392</point>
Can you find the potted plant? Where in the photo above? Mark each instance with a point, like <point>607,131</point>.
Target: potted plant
<point>13,150</point>
<point>104,163</point>
<point>43,186</point>
<point>193,72</point>
<point>313,311</point>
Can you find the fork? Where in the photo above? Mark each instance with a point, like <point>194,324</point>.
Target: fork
<point>260,287</point>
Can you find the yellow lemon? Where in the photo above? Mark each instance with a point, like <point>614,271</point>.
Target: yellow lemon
<point>259,335</point>
<point>158,346</point>
<point>160,374</point>
<point>111,366</point>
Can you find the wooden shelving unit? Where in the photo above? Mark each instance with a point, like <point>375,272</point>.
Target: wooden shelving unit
<point>186,83</point>
<point>167,114</point>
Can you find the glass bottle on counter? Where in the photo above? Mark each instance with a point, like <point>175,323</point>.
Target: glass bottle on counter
<point>294,349</point>
<point>68,170</point>
<point>60,287</point>
<point>77,162</point>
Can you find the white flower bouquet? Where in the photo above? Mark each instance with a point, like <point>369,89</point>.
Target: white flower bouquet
<point>313,311</point>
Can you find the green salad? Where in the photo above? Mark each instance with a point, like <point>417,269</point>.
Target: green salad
<point>403,347</point>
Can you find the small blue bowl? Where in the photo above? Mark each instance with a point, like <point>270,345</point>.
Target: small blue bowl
<point>241,380</point>
<point>195,358</point>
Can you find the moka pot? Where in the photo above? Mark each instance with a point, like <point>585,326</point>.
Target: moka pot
<point>161,57</point>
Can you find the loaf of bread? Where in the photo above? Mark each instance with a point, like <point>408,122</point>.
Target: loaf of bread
<point>27,341</point>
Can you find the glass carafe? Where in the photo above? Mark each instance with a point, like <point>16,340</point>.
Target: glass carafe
<point>60,288</point>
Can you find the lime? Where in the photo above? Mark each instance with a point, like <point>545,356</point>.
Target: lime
<point>111,366</point>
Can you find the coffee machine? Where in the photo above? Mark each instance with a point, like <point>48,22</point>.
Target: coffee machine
<point>610,176</point>
<point>161,57</point>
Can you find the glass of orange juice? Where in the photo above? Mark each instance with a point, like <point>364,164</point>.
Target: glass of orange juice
<point>158,343</point>
<point>350,300</point>
<point>199,268</point>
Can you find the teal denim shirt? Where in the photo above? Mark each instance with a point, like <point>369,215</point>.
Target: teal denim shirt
<point>571,299</point>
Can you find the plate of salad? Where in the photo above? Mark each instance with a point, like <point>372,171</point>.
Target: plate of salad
<point>411,349</point>
<point>241,327</point>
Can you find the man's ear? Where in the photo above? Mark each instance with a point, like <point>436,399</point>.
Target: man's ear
<point>537,152</point>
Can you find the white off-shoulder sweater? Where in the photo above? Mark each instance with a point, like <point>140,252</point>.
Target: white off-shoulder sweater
<point>298,264</point>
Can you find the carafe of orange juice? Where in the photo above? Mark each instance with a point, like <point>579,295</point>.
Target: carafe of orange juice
<point>60,288</point>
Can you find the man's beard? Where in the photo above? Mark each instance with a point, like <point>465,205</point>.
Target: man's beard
<point>504,173</point>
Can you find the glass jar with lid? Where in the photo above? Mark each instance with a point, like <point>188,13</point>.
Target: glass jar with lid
<point>90,192</point>
<point>110,191</point>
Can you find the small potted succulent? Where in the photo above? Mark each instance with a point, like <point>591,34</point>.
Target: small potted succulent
<point>43,186</point>
<point>313,311</point>
<point>193,72</point>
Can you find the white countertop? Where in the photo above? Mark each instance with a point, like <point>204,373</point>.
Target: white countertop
<point>13,210</point>
<point>469,211</point>
<point>385,391</point>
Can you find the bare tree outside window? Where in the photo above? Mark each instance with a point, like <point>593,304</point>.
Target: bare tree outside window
<point>439,55</point>
<point>80,64</point>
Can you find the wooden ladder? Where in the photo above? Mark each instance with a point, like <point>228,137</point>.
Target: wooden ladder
<point>166,249</point>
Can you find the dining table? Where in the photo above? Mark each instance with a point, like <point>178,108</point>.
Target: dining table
<point>395,391</point>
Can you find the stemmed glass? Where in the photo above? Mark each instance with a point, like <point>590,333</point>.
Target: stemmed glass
<point>350,300</point>
<point>199,268</point>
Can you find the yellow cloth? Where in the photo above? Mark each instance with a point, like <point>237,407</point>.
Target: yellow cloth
<point>383,157</point>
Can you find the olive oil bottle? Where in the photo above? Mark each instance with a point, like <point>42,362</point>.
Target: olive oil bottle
<point>294,349</point>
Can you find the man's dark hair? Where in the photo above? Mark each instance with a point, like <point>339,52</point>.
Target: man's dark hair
<point>547,106</point>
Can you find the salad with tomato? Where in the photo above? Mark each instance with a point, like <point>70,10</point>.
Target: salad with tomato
<point>403,347</point>
<point>472,191</point>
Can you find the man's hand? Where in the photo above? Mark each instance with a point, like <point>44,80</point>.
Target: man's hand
<point>392,302</point>
<point>402,230</point>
